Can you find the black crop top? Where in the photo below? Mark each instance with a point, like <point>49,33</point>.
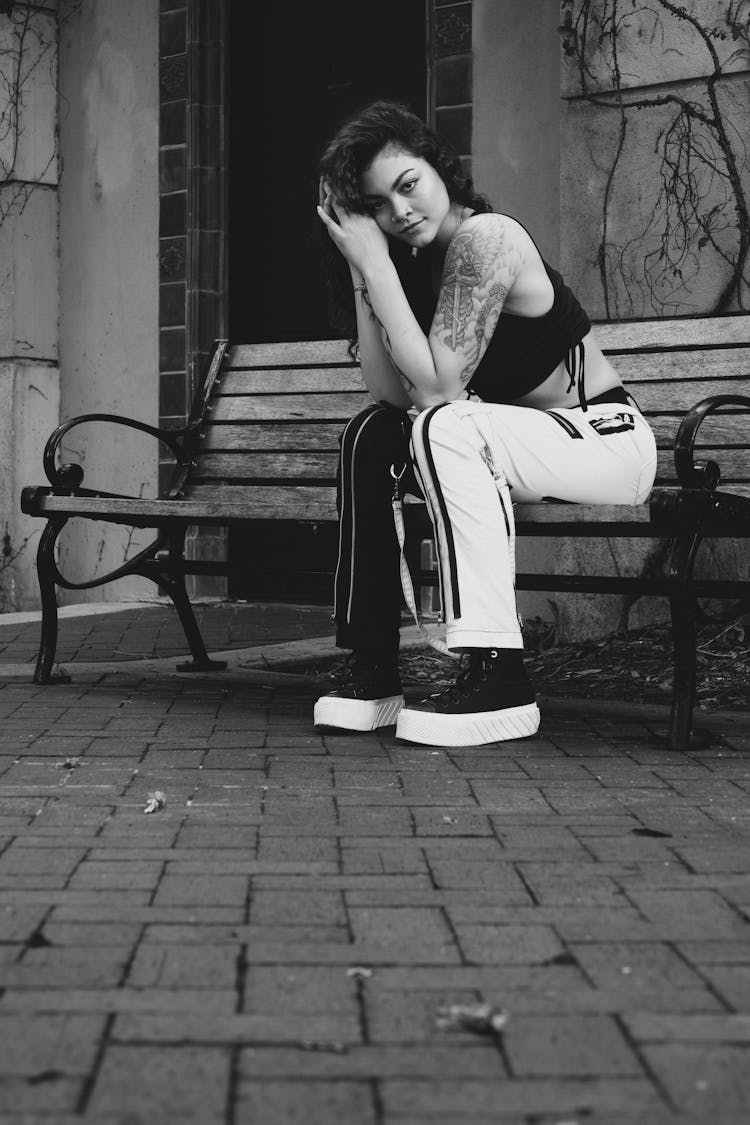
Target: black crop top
<point>523,351</point>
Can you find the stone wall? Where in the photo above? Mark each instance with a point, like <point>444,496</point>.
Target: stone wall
<point>655,178</point>
<point>109,294</point>
<point>653,207</point>
<point>516,139</point>
<point>29,376</point>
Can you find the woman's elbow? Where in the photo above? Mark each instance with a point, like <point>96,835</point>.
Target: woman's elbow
<point>435,396</point>
<point>429,399</point>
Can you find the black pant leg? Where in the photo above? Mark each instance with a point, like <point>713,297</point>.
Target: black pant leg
<point>368,582</point>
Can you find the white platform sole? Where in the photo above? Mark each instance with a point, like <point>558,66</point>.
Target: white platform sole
<point>357,714</point>
<point>431,729</point>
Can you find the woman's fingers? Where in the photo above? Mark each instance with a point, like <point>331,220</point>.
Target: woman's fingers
<point>322,213</point>
<point>328,220</point>
<point>324,191</point>
<point>338,207</point>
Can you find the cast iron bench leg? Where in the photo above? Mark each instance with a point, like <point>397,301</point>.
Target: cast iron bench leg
<point>683,607</point>
<point>174,585</point>
<point>47,576</point>
<point>683,698</point>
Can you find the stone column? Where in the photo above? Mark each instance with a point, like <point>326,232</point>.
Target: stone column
<point>29,373</point>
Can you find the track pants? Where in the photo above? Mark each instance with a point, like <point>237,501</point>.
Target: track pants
<point>461,451</point>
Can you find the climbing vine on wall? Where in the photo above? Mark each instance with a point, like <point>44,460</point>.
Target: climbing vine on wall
<point>688,250</point>
<point>28,50</point>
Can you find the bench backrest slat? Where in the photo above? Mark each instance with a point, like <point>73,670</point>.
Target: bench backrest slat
<point>688,332</point>
<point>288,407</point>
<point>666,367</point>
<point>278,436</point>
<point>678,397</point>
<point>298,465</point>
<point>298,353</point>
<point>294,380</point>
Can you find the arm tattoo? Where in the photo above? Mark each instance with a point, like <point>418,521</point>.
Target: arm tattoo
<point>402,376</point>
<point>477,275</point>
<point>486,322</point>
<point>461,278</point>
<point>364,291</point>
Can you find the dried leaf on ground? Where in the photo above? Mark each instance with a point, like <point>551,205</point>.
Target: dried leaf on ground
<point>483,1019</point>
<point>155,802</point>
<point>636,666</point>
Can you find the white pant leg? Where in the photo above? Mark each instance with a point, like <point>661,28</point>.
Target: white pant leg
<point>606,455</point>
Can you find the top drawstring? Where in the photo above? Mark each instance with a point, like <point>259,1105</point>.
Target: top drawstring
<point>575,365</point>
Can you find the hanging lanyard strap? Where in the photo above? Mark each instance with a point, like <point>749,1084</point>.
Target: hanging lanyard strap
<point>406,582</point>
<point>503,491</point>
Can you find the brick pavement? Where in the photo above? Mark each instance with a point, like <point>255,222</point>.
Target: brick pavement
<point>275,944</point>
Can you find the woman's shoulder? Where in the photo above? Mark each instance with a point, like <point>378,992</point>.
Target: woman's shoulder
<point>491,233</point>
<point>497,223</point>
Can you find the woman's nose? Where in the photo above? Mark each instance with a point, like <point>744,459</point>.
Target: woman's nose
<point>401,212</point>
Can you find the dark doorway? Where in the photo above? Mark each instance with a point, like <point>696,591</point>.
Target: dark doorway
<point>295,70</point>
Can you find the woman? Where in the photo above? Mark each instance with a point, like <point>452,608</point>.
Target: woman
<point>460,322</point>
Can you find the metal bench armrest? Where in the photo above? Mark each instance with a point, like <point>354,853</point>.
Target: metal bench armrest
<point>67,478</point>
<point>700,474</point>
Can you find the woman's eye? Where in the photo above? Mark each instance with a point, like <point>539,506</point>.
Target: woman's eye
<point>375,207</point>
<point>408,185</point>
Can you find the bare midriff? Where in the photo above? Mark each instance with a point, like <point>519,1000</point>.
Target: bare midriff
<point>555,392</point>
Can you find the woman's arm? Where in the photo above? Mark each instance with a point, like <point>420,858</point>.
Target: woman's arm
<point>483,262</point>
<point>378,372</point>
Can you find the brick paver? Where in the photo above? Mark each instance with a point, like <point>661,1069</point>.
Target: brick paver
<point>280,942</point>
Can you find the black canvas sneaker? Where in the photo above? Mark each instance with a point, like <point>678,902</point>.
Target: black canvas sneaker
<point>491,701</point>
<point>370,696</point>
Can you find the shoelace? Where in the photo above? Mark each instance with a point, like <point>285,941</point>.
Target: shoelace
<point>346,672</point>
<point>353,673</point>
<point>470,671</point>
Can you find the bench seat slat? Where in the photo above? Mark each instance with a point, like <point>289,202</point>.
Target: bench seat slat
<point>215,506</point>
<point>222,503</point>
<point>301,502</point>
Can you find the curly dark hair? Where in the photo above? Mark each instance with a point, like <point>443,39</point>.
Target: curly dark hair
<point>349,153</point>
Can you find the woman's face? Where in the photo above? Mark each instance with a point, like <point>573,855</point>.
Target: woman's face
<point>408,199</point>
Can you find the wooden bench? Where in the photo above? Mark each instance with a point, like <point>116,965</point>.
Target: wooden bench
<point>262,441</point>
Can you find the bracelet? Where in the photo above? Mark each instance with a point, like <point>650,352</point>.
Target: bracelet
<point>361,289</point>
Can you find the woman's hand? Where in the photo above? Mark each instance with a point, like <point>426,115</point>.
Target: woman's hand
<point>358,237</point>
